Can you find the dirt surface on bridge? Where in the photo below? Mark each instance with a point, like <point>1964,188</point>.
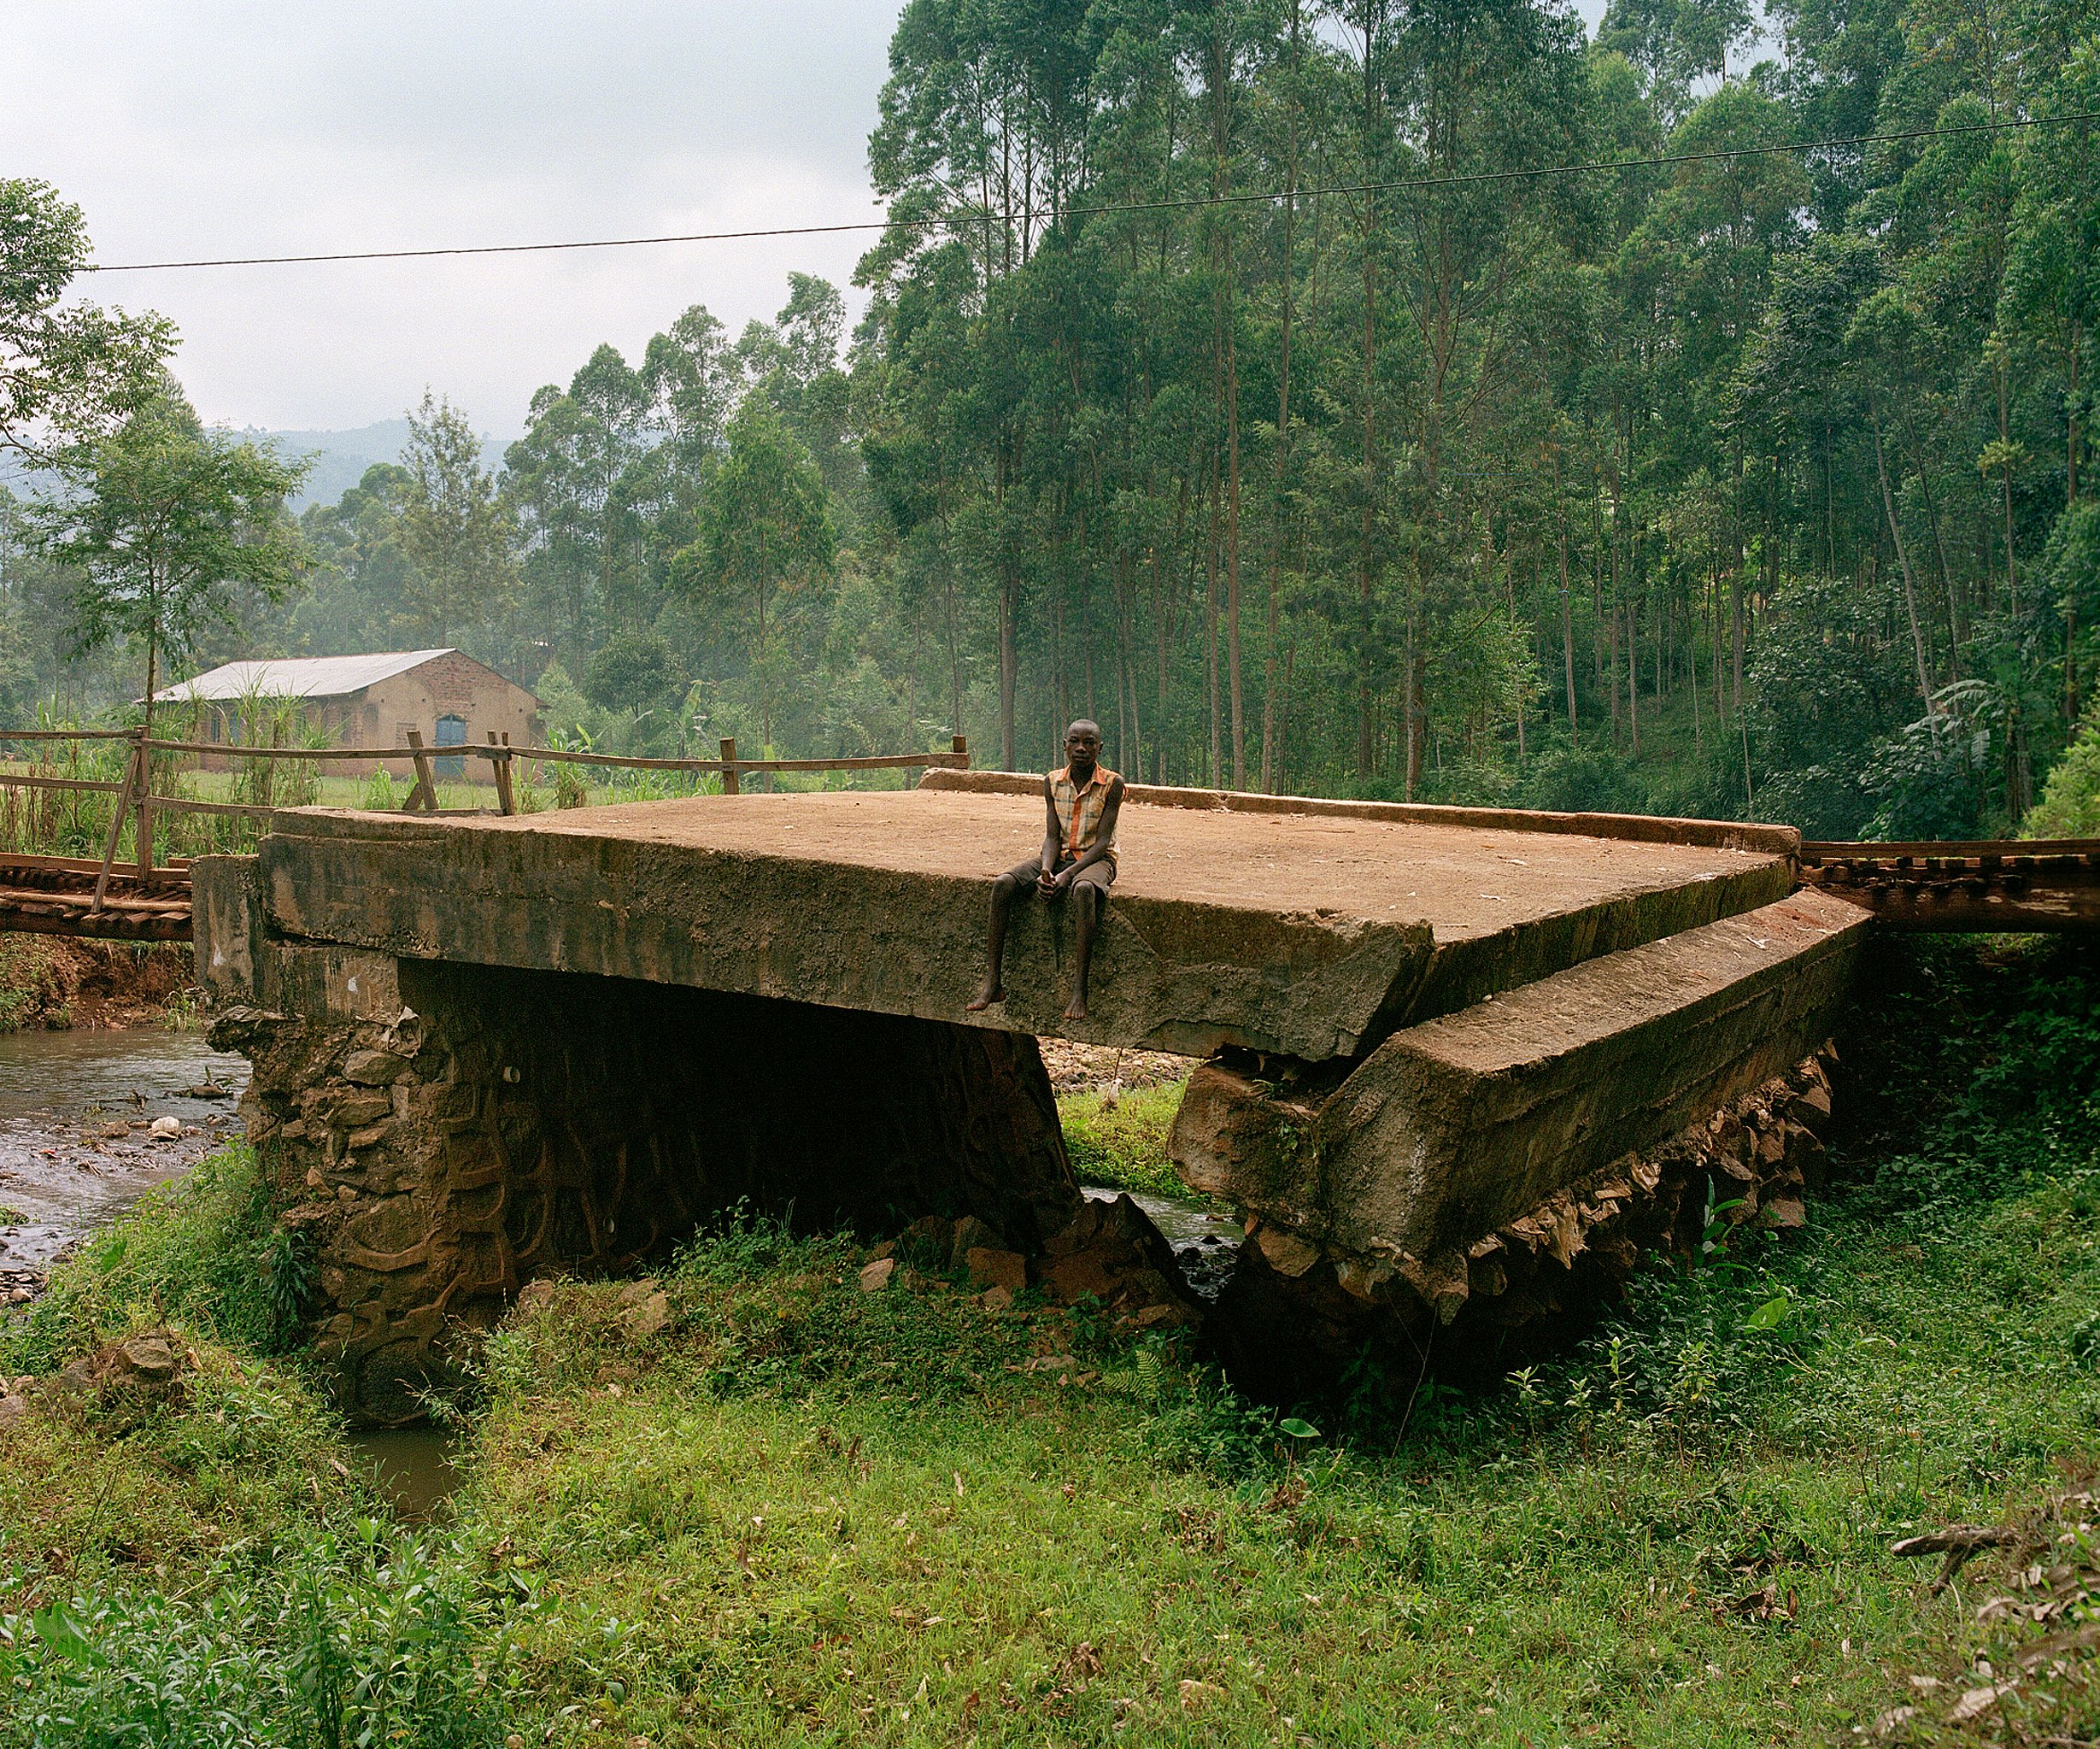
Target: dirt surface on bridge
<point>1464,882</point>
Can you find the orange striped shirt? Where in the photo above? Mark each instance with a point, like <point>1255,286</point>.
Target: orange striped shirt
<point>1079,810</point>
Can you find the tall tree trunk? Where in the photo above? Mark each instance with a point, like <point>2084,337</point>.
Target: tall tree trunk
<point>1210,632</point>
<point>1365,748</point>
<point>1009,615</point>
<point>2005,487</point>
<point>1946,572</point>
<point>1232,548</point>
<point>1281,484</point>
<point>1632,674</point>
<point>1567,611</point>
<point>144,835</point>
<point>2070,596</point>
<point>1366,727</point>
<point>1902,561</point>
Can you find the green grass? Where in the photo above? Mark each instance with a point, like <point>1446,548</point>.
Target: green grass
<point>788,1511</point>
<point>1121,1141</point>
<point>204,1249</point>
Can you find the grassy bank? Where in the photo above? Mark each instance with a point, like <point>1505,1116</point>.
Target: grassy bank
<point>766,1506</point>
<point>1119,1139</point>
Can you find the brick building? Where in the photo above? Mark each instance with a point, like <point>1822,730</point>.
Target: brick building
<point>371,700</point>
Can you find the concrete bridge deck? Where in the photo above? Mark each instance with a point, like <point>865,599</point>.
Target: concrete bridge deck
<point>1457,1057</point>
<point>1303,934</point>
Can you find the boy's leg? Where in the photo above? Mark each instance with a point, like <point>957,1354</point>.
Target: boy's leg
<point>1089,900</point>
<point>1004,889</point>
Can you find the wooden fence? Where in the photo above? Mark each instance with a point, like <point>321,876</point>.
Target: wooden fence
<point>135,799</point>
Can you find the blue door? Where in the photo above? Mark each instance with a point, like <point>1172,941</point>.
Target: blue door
<point>451,732</point>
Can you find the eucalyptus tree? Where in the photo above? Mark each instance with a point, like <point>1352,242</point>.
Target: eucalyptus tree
<point>455,530</point>
<point>70,371</point>
<point>766,549</point>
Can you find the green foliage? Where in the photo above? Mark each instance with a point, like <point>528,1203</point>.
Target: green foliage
<point>205,1249</point>
<point>1933,777</point>
<point>2070,803</point>
<point>1121,1140</point>
<point>68,370</point>
<point>456,532</point>
<point>160,520</point>
<point>769,1504</point>
<point>1585,780</point>
<point>632,671</point>
<point>363,1636</point>
<point>766,544</point>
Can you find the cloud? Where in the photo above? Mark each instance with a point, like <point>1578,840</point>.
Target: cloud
<point>245,128</point>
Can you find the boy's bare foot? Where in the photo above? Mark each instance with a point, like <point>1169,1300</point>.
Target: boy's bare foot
<point>1076,1009</point>
<point>990,994</point>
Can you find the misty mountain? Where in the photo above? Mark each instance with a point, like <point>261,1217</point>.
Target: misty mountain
<point>340,458</point>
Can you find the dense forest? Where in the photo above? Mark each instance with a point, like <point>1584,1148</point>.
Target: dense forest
<point>1406,400</point>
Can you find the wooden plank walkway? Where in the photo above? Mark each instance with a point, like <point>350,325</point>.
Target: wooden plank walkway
<point>54,895</point>
<point>2014,885</point>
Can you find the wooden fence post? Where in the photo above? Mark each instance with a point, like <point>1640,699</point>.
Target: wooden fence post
<point>145,807</point>
<point>961,744</point>
<point>424,787</point>
<point>116,827</point>
<point>502,762</point>
<point>730,786</point>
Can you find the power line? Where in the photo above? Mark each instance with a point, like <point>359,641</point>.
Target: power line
<point>958,221</point>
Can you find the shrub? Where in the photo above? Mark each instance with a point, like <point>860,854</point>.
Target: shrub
<point>2070,803</point>
<point>1586,780</point>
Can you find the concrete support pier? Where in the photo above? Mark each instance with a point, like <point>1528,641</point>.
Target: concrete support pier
<point>446,1131</point>
<point>1502,1162</point>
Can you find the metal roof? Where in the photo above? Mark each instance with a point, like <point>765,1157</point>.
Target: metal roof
<point>300,677</point>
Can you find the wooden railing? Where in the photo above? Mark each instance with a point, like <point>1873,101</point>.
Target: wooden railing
<point>135,800</point>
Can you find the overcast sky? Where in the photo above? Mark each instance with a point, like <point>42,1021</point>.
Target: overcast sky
<point>212,127</point>
<point>236,127</point>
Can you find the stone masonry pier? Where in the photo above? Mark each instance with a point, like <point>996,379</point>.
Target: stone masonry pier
<point>488,1048</point>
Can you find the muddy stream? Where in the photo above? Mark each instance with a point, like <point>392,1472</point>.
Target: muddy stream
<point>78,1147</point>
<point>77,1144</point>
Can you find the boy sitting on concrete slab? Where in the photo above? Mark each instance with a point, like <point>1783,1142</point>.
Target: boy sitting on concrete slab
<point>1080,805</point>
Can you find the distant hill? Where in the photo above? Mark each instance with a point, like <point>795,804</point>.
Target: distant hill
<point>340,458</point>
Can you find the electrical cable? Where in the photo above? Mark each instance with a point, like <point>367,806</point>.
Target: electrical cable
<point>958,221</point>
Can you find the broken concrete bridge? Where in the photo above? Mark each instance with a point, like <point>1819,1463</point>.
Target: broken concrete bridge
<point>1455,1062</point>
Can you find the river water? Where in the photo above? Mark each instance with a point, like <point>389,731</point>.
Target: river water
<point>76,1140</point>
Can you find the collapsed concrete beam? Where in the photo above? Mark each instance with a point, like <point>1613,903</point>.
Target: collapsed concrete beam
<point>1457,1126</point>
<point>1297,1316</point>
